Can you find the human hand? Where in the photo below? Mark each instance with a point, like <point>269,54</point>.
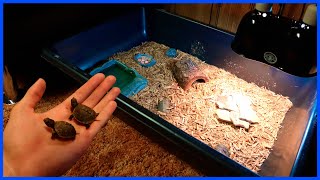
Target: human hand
<point>28,149</point>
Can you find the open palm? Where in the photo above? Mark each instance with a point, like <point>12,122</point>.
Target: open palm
<point>28,147</point>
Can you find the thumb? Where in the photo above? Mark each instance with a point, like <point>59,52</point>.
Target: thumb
<point>34,94</point>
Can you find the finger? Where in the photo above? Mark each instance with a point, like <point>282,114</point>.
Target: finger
<point>101,90</point>
<point>34,94</point>
<point>111,96</point>
<point>102,118</point>
<point>86,89</point>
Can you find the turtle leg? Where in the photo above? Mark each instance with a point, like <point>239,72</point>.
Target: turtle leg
<point>54,135</point>
<point>71,116</point>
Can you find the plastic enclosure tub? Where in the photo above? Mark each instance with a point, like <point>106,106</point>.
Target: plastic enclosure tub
<point>75,54</point>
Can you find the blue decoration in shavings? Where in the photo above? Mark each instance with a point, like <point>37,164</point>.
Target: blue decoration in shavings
<point>144,60</point>
<point>172,53</point>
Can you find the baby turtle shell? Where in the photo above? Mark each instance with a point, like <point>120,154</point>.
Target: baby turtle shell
<point>61,129</point>
<point>82,113</point>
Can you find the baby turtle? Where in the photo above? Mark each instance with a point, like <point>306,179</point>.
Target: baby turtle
<point>82,113</point>
<point>61,129</point>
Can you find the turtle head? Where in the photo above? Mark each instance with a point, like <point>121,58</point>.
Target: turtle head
<point>49,122</point>
<point>74,103</point>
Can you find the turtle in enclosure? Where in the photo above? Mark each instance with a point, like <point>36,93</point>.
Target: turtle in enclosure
<point>61,129</point>
<point>82,113</point>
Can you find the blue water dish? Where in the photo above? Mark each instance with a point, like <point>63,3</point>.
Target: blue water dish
<point>144,60</point>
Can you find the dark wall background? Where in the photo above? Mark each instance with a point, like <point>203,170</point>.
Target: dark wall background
<point>30,27</point>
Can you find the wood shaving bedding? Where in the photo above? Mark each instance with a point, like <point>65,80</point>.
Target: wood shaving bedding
<point>194,110</point>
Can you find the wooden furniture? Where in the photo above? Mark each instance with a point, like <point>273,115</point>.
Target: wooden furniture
<point>228,16</point>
